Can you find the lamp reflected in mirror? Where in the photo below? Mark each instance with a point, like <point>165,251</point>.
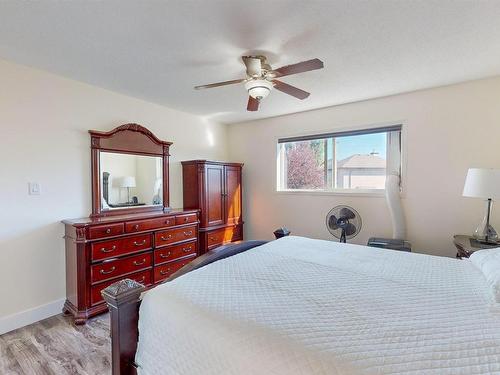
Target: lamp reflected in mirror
<point>126,182</point>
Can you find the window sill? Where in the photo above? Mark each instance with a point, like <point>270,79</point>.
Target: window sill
<point>350,193</point>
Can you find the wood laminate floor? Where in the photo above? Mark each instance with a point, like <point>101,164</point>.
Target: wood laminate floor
<point>57,346</point>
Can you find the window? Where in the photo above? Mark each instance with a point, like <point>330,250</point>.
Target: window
<point>351,161</point>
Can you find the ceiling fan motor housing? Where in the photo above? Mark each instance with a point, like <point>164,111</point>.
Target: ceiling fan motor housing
<point>258,88</point>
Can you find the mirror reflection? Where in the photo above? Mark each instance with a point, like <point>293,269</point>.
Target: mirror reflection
<point>130,180</point>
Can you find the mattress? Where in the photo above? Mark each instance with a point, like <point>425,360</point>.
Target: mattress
<point>303,306</point>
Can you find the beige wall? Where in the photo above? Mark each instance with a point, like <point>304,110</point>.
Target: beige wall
<point>447,130</point>
<point>43,122</point>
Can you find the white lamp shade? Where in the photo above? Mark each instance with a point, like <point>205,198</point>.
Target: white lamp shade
<point>482,183</point>
<point>258,88</point>
<point>127,182</point>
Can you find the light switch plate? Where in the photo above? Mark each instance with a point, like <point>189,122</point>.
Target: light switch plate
<point>34,188</point>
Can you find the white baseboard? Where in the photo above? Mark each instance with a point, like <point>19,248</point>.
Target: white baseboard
<point>26,317</point>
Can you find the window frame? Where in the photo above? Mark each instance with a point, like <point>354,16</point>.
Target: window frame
<point>360,129</point>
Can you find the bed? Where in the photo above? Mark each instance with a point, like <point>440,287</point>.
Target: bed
<point>304,306</point>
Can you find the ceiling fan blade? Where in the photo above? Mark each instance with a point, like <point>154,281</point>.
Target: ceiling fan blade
<point>253,104</point>
<point>225,83</point>
<point>300,67</point>
<point>254,65</point>
<point>290,90</point>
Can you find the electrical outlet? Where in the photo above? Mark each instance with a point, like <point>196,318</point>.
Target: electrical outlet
<point>34,188</point>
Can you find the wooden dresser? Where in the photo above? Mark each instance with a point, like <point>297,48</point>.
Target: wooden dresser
<point>147,248</point>
<point>216,189</point>
<point>131,233</point>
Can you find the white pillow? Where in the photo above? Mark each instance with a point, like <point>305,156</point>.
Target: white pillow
<point>488,261</point>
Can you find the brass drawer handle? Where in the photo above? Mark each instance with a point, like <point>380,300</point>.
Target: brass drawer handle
<point>169,237</point>
<point>108,231</point>
<point>163,273</point>
<point>167,222</point>
<point>103,249</point>
<point>111,270</point>
<point>186,249</point>
<point>139,243</point>
<point>186,219</point>
<point>188,233</point>
<point>141,280</point>
<point>164,256</point>
<point>136,226</point>
<point>136,263</point>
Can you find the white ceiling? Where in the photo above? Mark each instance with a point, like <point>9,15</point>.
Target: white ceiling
<point>159,50</point>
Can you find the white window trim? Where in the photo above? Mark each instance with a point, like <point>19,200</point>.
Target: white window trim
<point>344,192</point>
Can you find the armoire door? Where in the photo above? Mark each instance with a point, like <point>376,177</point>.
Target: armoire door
<point>233,194</point>
<point>214,197</point>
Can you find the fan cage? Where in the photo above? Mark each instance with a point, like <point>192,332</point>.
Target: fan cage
<point>357,222</point>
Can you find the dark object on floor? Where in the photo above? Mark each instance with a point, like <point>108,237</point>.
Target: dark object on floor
<point>281,232</point>
<point>389,243</point>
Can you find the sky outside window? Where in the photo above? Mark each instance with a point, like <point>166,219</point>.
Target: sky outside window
<point>360,144</point>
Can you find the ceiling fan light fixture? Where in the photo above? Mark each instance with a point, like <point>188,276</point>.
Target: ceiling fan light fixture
<point>258,88</point>
<point>260,79</point>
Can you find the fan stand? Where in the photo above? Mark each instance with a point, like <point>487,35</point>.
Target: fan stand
<point>343,236</point>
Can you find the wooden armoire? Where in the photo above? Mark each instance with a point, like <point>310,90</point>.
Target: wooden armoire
<point>215,188</point>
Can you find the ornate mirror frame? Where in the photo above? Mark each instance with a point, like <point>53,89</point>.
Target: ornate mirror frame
<point>128,139</point>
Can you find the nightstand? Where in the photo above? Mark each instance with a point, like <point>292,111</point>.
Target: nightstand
<point>466,245</point>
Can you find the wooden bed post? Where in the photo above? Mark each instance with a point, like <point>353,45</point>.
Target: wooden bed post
<point>123,299</point>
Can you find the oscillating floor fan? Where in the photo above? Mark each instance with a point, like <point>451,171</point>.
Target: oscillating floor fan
<point>343,222</point>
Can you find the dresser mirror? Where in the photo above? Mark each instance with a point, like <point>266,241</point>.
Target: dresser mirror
<point>129,180</point>
<point>129,171</point>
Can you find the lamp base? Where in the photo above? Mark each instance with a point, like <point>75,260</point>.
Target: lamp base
<point>485,233</point>
<point>481,245</point>
<point>488,236</point>
<point>488,241</point>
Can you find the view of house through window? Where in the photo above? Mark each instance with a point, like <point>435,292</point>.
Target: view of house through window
<point>356,160</point>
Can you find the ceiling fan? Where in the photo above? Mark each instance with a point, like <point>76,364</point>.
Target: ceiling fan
<point>261,79</point>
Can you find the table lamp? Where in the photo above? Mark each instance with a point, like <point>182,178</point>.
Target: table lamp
<point>127,182</point>
<point>484,183</point>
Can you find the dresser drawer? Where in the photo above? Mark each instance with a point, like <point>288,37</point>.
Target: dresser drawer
<point>141,225</point>
<point>168,254</point>
<point>221,236</point>
<point>143,277</point>
<point>119,267</point>
<point>167,269</point>
<point>233,234</point>
<point>186,219</point>
<point>170,236</point>
<point>215,238</point>
<point>113,248</point>
<point>109,230</point>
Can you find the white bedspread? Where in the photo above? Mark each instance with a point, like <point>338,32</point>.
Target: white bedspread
<point>302,306</point>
